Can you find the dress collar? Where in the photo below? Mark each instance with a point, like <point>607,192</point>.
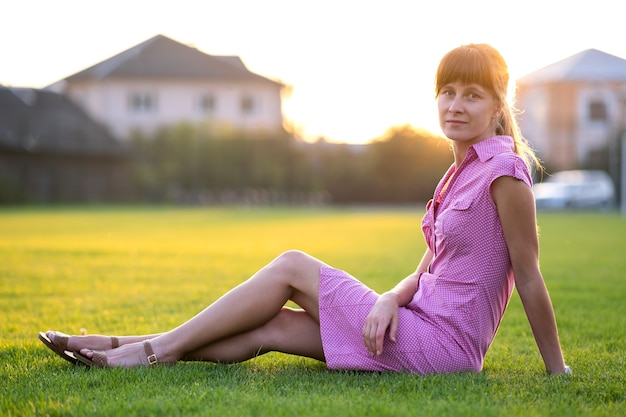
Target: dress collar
<point>495,145</point>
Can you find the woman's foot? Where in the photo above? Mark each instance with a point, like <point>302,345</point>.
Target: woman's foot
<point>76,343</point>
<point>58,345</point>
<point>132,355</point>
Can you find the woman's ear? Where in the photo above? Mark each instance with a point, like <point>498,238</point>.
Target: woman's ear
<point>498,113</point>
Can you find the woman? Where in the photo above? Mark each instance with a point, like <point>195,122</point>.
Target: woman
<point>481,234</point>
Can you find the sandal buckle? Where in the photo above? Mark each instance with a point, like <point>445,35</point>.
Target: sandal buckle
<point>152,359</point>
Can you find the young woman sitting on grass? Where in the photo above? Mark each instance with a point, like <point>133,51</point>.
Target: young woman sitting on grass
<point>480,228</point>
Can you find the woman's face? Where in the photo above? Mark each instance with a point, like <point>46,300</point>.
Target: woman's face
<point>467,112</point>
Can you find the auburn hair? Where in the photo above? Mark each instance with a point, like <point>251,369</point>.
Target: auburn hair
<point>482,64</point>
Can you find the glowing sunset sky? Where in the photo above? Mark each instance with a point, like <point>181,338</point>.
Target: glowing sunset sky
<point>355,67</point>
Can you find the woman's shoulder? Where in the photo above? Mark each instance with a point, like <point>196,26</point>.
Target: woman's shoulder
<point>509,164</point>
<point>506,158</point>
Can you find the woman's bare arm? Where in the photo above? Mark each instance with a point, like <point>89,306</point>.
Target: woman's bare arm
<point>516,209</point>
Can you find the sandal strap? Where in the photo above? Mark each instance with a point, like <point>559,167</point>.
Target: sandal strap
<point>99,359</point>
<point>61,340</point>
<point>152,357</point>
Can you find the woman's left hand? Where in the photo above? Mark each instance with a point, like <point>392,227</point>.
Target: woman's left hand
<point>382,317</point>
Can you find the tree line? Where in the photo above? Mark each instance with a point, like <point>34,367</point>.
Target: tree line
<point>188,163</point>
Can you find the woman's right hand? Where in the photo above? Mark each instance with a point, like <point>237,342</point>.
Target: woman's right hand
<point>382,318</point>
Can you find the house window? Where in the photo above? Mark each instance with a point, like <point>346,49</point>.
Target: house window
<point>249,105</point>
<point>207,103</point>
<point>598,111</point>
<point>142,102</point>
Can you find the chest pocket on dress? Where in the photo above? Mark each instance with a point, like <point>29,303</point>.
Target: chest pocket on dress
<point>457,217</point>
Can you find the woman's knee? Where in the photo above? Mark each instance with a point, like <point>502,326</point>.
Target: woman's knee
<point>301,272</point>
<point>294,261</point>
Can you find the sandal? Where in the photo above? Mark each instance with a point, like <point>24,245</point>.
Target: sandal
<point>59,346</point>
<point>99,359</point>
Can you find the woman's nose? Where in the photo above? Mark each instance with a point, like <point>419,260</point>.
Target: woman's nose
<point>455,106</point>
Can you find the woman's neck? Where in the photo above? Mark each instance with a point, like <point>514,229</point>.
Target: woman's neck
<point>459,150</point>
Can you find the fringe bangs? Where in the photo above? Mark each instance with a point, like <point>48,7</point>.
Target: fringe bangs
<point>468,65</point>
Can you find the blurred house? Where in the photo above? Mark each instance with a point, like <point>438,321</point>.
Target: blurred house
<point>162,82</point>
<point>51,151</point>
<point>574,111</point>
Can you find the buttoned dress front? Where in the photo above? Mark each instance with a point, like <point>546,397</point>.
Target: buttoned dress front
<point>459,302</point>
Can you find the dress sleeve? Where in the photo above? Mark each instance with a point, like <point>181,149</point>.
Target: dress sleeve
<point>510,165</point>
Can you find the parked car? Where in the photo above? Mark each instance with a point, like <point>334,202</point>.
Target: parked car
<point>575,189</point>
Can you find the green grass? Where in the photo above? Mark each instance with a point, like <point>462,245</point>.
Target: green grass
<point>143,270</point>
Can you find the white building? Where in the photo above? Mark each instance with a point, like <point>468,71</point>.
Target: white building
<point>575,108</point>
<point>162,82</point>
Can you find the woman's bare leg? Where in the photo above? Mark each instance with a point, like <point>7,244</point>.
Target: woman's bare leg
<point>291,331</point>
<point>253,304</point>
<point>99,342</point>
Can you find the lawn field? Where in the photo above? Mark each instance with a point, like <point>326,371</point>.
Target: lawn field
<point>128,270</point>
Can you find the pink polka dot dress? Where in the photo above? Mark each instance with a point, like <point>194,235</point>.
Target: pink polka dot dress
<point>459,302</point>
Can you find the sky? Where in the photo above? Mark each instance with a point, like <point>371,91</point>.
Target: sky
<point>354,68</point>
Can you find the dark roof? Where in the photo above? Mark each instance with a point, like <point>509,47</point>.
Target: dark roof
<point>162,57</point>
<point>39,121</point>
<point>588,65</point>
